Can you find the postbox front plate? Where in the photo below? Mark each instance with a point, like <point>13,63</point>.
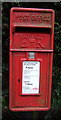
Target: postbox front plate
<point>31,54</point>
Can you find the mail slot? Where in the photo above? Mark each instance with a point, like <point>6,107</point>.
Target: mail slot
<point>31,59</point>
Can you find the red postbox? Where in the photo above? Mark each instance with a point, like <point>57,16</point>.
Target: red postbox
<point>31,57</point>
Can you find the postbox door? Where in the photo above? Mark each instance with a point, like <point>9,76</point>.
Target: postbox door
<point>34,97</point>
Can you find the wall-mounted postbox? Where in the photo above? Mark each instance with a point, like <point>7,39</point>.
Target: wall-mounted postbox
<point>31,55</point>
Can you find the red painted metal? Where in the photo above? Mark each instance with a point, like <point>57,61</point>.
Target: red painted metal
<point>31,30</point>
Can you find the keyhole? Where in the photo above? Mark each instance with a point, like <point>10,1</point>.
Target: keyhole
<point>18,80</point>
